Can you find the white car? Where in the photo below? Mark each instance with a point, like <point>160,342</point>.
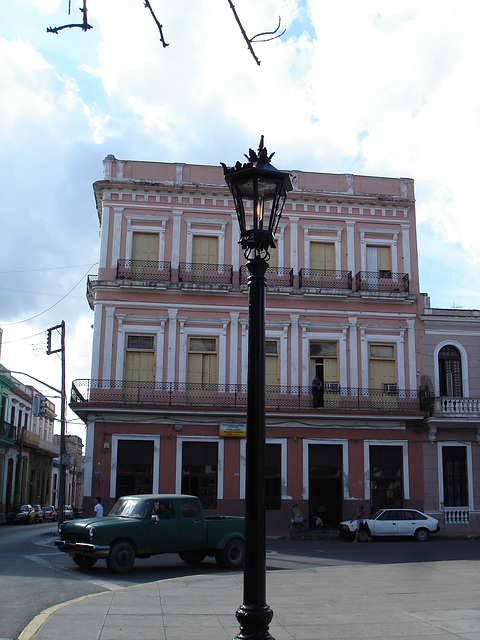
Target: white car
<point>393,522</point>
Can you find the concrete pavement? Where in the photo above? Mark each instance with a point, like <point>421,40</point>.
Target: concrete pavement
<point>428,601</point>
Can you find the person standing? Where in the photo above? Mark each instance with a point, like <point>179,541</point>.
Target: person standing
<point>316,388</point>
<point>98,508</point>
<point>360,523</point>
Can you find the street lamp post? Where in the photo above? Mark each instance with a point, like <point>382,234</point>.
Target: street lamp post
<point>259,192</point>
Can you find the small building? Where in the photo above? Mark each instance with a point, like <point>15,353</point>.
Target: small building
<point>452,449</point>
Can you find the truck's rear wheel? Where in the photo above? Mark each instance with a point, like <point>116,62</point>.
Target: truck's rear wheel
<point>192,557</point>
<point>232,555</point>
<point>121,557</point>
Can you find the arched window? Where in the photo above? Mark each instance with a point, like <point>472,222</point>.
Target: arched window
<point>450,371</point>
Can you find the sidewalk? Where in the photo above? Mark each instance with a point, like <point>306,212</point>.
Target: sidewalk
<point>433,601</point>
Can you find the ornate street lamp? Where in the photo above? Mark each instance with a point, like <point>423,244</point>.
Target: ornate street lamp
<point>259,191</point>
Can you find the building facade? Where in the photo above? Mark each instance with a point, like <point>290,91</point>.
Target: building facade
<point>165,405</point>
<point>27,448</point>
<point>73,472</point>
<point>452,448</point>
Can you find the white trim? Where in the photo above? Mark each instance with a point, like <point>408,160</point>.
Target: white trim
<point>221,460</point>
<point>386,443</point>
<point>104,231</point>
<point>340,338</point>
<point>336,240</point>
<point>367,339</point>
<point>116,437</point>
<point>88,465</point>
<point>202,331</point>
<point>124,329</point>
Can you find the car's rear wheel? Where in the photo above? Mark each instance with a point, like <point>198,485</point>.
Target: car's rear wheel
<point>231,557</point>
<point>121,557</point>
<point>421,535</point>
<point>192,557</point>
<point>84,562</point>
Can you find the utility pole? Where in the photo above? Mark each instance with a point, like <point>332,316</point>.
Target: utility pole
<point>63,413</point>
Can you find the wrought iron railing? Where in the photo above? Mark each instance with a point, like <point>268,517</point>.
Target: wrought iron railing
<point>325,279</point>
<point>7,430</point>
<point>276,276</point>
<point>198,273</point>
<point>287,398</point>
<point>384,281</point>
<point>144,270</point>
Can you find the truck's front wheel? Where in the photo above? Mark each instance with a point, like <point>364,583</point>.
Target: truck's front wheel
<point>121,557</point>
<point>84,562</point>
<point>231,557</point>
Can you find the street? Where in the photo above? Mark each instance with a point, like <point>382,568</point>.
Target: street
<point>35,575</point>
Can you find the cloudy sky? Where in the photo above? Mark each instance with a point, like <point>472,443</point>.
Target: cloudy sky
<point>378,87</point>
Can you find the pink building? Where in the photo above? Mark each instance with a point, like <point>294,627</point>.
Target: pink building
<point>165,406</point>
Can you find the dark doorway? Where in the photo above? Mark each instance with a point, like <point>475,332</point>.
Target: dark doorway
<point>200,471</point>
<point>386,477</point>
<point>325,482</point>
<point>134,467</point>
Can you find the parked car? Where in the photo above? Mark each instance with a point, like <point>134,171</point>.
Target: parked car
<point>393,522</point>
<point>50,513</point>
<point>141,526</point>
<point>68,512</point>
<point>21,514</point>
<point>38,513</point>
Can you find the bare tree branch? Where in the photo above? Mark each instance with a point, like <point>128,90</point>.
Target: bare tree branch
<point>84,26</point>
<point>160,27</point>
<point>250,40</point>
<point>269,33</point>
<point>259,37</point>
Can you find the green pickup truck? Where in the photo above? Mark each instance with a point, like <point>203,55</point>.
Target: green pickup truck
<point>145,525</point>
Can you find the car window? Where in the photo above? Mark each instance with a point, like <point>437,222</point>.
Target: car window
<point>130,509</point>
<point>189,509</point>
<point>388,514</point>
<point>414,515</point>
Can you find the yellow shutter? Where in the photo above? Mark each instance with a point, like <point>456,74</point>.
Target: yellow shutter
<point>145,246</point>
<point>322,256</point>
<point>205,250</point>
<point>383,258</point>
<point>271,370</point>
<point>330,370</point>
<point>139,367</point>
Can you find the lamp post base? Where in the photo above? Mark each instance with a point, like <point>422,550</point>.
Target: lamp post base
<point>254,620</point>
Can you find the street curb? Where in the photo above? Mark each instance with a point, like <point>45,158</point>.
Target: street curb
<point>34,625</point>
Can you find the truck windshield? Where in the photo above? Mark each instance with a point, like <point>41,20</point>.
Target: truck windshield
<point>130,508</point>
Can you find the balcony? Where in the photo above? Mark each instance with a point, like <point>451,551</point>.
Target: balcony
<point>325,279</point>
<point>382,281</point>
<point>234,396</point>
<point>205,274</point>
<point>7,431</point>
<point>276,276</point>
<point>144,270</point>
<point>448,407</point>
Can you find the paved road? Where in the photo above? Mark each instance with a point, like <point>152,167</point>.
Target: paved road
<point>35,576</point>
